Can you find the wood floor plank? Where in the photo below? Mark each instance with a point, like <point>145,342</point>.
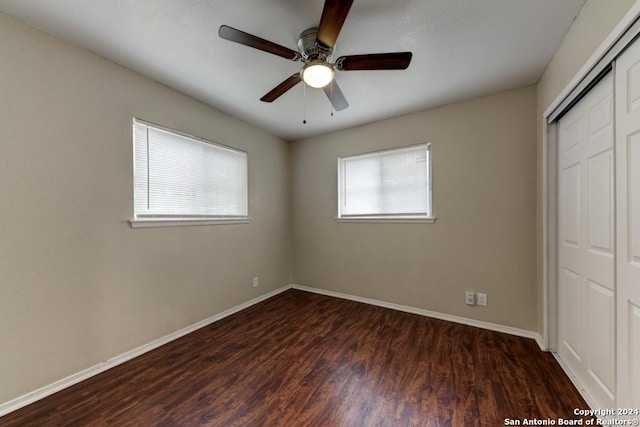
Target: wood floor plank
<point>301,359</point>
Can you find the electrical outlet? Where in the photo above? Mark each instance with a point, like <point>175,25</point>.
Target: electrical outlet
<point>469,298</point>
<point>256,282</point>
<point>482,299</point>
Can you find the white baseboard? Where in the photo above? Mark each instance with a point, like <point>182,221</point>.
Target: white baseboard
<point>52,388</point>
<point>428,313</point>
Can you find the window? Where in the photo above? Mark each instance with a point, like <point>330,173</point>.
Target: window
<point>386,185</point>
<point>182,179</point>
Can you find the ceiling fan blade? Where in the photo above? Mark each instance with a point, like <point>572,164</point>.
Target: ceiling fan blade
<point>235,35</point>
<point>335,95</point>
<point>279,90</point>
<point>374,61</point>
<point>333,16</point>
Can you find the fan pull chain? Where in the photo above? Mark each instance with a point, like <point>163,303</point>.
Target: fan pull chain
<point>331,100</point>
<point>304,103</point>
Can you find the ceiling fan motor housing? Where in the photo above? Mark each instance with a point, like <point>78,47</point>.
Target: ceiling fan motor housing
<point>309,48</point>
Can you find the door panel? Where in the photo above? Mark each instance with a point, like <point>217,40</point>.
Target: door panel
<point>571,209</point>
<point>633,212</point>
<point>586,243</point>
<point>601,300</point>
<point>628,225</point>
<point>571,290</point>
<point>600,206</point>
<point>634,355</point>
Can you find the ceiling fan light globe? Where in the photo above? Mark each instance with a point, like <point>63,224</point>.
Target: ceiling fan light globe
<point>317,74</point>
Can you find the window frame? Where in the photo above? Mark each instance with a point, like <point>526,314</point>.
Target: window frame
<point>387,218</point>
<point>171,220</point>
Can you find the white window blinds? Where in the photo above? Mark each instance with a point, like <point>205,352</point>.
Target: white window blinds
<point>391,183</point>
<point>178,176</point>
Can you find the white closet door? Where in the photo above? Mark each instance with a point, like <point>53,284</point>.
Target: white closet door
<point>586,278</point>
<point>628,225</point>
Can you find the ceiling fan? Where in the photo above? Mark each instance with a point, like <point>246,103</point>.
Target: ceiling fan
<point>315,50</point>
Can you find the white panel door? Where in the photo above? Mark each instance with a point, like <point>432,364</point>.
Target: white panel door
<point>586,243</point>
<point>628,225</point>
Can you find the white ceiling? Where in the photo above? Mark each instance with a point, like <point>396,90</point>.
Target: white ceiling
<point>461,49</point>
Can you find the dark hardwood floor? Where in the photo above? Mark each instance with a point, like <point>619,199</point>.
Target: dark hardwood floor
<point>301,359</point>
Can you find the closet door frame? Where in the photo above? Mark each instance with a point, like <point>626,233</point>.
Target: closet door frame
<point>626,28</point>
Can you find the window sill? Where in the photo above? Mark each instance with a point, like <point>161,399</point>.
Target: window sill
<point>388,220</point>
<point>184,222</point>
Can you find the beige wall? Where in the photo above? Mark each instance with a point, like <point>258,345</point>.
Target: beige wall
<point>78,285</point>
<point>596,20</point>
<point>484,170</point>
<point>590,28</point>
